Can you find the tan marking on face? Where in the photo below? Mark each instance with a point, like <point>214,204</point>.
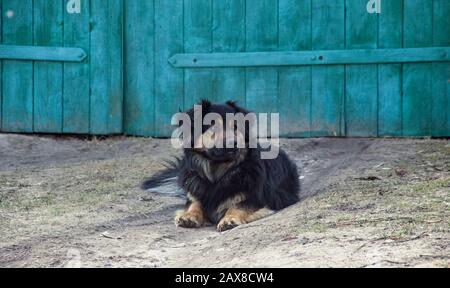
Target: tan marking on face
<point>198,144</point>
<point>232,131</point>
<point>240,139</point>
<point>213,137</point>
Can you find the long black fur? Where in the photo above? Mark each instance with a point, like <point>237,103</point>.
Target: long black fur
<point>272,184</point>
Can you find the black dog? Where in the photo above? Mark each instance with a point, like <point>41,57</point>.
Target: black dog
<point>229,186</point>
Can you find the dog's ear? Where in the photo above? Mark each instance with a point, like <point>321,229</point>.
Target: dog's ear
<point>206,105</point>
<point>237,108</point>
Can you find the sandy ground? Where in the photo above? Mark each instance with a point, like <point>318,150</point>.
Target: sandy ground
<point>70,202</point>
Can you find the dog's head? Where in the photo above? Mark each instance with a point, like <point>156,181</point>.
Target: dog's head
<point>223,135</point>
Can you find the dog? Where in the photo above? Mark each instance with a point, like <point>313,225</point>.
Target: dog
<point>227,187</point>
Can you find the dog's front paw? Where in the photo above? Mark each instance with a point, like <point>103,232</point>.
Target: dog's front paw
<point>228,223</point>
<point>189,220</point>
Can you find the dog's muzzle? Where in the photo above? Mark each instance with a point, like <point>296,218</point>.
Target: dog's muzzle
<point>222,154</point>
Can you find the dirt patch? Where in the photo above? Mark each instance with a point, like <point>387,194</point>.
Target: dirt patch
<point>371,202</point>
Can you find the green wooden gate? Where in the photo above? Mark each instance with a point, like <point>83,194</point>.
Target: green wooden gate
<point>74,88</point>
<point>329,67</point>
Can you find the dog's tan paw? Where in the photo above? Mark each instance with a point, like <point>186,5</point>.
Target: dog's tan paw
<point>189,220</point>
<point>228,223</point>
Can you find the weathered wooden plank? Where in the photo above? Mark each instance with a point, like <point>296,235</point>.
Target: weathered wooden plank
<point>361,101</point>
<point>417,100</point>
<point>390,100</point>
<point>294,92</point>
<point>17,75</point>
<point>48,77</point>
<point>139,68</point>
<point>361,90</point>
<point>441,71</point>
<point>198,84</point>
<point>262,35</point>
<point>76,95</point>
<point>417,88</point>
<point>106,67</point>
<point>168,80</point>
<point>328,32</point>
<point>229,36</point>
<point>35,53</point>
<point>390,35</point>
<point>321,57</point>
